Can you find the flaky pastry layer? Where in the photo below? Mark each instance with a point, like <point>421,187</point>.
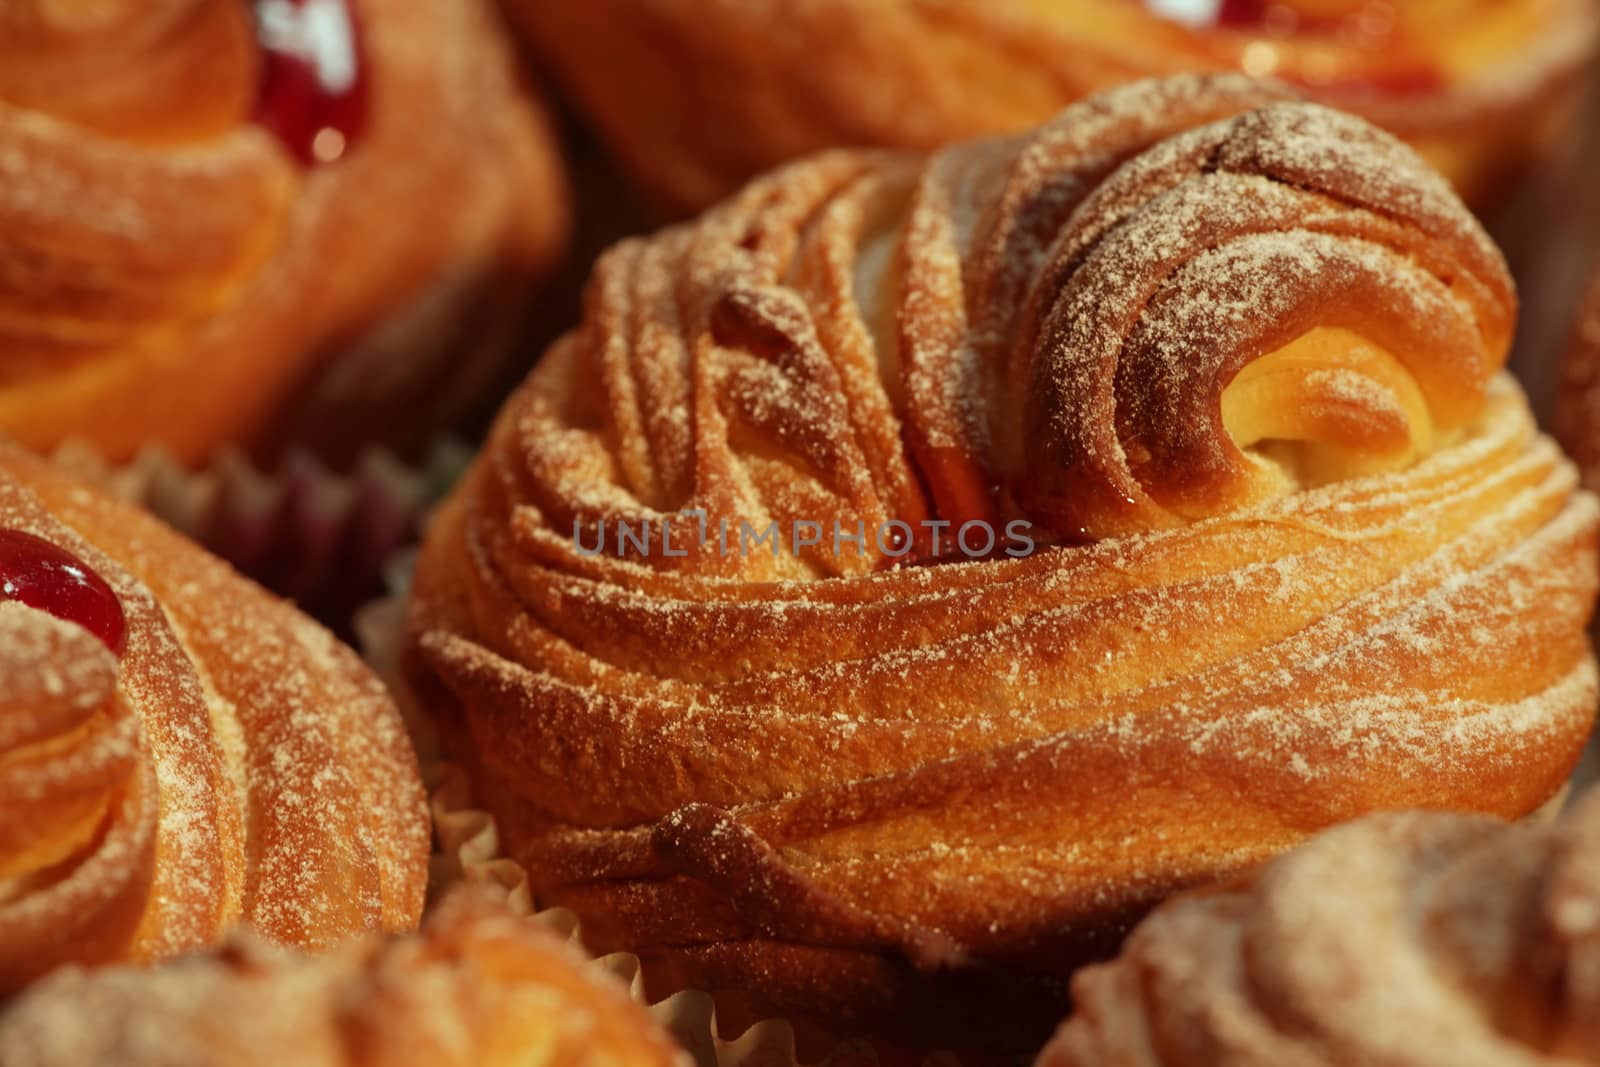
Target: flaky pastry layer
<point>477,987</point>
<point>234,765</point>
<point>1301,553</point>
<point>1415,938</point>
<point>696,96</point>
<point>170,275</point>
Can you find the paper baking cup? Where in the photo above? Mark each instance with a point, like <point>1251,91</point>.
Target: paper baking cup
<point>316,537</point>
<point>467,849</point>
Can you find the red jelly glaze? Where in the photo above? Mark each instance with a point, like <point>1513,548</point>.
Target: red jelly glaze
<point>41,575</point>
<point>1243,14</point>
<point>313,94</point>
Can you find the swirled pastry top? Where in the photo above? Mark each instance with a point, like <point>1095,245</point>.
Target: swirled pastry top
<point>1229,364</point>
<point>478,987</point>
<point>179,752</point>
<point>173,272</point>
<point>1406,938</point>
<point>699,95</point>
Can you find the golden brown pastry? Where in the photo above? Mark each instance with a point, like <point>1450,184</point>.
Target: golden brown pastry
<point>179,752</point>
<point>478,987</point>
<point>1578,401</point>
<point>261,223</point>
<point>1228,363</point>
<point>1408,939</point>
<point>697,95</point>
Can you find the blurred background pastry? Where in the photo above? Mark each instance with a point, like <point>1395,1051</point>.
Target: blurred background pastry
<point>1556,228</point>
<point>256,256</point>
<point>264,224</point>
<point>1578,404</point>
<point>1410,938</point>
<point>695,96</point>
<point>180,753</point>
<point>478,987</point>
<point>1230,363</point>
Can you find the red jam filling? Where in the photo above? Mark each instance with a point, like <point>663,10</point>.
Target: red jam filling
<point>1243,14</point>
<point>41,575</point>
<point>313,94</point>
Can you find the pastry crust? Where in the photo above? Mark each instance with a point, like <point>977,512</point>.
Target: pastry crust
<point>695,96</point>
<point>1404,938</point>
<point>1231,360</point>
<point>169,274</point>
<point>234,765</point>
<point>478,987</point>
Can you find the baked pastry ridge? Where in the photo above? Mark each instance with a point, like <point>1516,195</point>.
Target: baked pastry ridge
<point>477,987</point>
<point>179,273</point>
<point>1408,938</point>
<point>697,96</point>
<point>1232,361</point>
<point>180,753</point>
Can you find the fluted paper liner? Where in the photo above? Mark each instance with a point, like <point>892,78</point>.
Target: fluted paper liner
<point>302,530</point>
<point>467,849</point>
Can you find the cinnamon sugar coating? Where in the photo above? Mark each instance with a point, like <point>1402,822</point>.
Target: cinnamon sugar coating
<point>697,96</point>
<point>170,274</point>
<point>1302,554</point>
<point>1412,938</point>
<point>236,765</point>
<point>477,987</point>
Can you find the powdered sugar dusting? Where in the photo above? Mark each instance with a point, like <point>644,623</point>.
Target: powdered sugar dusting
<point>474,982</point>
<point>1213,654</point>
<point>1402,938</point>
<point>234,766</point>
